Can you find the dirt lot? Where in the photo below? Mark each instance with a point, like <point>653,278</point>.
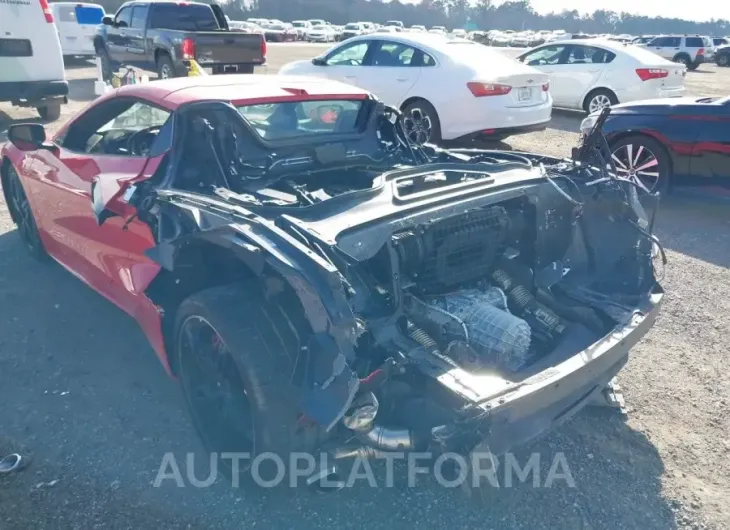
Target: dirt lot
<point>83,394</point>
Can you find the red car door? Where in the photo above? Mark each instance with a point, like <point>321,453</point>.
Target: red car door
<point>108,257</point>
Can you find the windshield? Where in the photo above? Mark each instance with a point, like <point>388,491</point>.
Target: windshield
<point>294,119</point>
<point>183,17</point>
<point>298,24</point>
<point>352,26</point>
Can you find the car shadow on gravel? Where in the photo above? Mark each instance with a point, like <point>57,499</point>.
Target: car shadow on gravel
<point>85,396</point>
<point>695,227</point>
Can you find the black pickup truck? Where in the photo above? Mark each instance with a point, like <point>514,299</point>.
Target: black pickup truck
<point>165,36</point>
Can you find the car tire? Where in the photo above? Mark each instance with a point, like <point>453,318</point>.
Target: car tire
<point>683,59</point>
<point>257,341</point>
<point>642,148</point>
<point>165,67</point>
<point>50,111</point>
<point>597,100</point>
<point>421,121</point>
<point>21,213</point>
<point>693,66</point>
<point>722,60</point>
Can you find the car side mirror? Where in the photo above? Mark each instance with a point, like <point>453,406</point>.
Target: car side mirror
<point>319,61</point>
<point>107,20</point>
<point>27,136</point>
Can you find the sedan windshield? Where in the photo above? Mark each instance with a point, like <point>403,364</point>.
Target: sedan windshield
<point>294,119</point>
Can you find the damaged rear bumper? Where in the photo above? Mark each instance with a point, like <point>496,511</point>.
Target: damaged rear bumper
<point>524,411</point>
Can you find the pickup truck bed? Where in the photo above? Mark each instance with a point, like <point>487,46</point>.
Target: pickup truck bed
<point>163,36</point>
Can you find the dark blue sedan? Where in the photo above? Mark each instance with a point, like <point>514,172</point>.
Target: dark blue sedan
<point>670,142</point>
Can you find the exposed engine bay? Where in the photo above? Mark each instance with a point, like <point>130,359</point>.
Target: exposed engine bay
<point>439,284</point>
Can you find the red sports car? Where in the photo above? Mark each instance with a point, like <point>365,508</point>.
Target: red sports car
<point>315,279</point>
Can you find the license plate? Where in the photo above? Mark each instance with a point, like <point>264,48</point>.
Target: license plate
<point>524,94</point>
<point>228,69</point>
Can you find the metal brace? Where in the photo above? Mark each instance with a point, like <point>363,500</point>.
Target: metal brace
<point>612,397</point>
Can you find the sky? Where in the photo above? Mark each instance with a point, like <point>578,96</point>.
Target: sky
<point>667,8</point>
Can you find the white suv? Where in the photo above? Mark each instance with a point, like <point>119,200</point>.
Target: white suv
<point>690,50</point>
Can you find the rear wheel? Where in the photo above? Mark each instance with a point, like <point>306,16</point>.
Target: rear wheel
<point>22,214</point>
<point>165,67</point>
<point>722,60</point>
<point>421,122</point>
<point>644,159</point>
<point>236,351</point>
<point>598,100</point>
<point>683,59</point>
<point>50,112</point>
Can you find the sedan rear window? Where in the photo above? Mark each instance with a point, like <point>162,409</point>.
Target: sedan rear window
<point>183,17</point>
<point>295,119</point>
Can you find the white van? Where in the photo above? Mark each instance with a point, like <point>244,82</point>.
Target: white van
<point>31,64</point>
<point>77,23</point>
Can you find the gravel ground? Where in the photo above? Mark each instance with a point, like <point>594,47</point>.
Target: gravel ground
<point>84,396</point>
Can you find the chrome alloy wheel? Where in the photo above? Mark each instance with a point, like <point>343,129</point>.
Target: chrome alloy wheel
<point>418,126</point>
<point>637,163</point>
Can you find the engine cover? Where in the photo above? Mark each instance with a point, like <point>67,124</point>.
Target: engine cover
<point>454,250</point>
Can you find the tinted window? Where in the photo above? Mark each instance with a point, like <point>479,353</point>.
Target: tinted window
<point>546,55</point>
<point>124,17</point>
<point>139,17</point>
<point>294,119</point>
<point>666,42</point>
<point>15,48</point>
<point>396,54</point>
<point>349,55</point>
<point>695,42</point>
<point>105,128</point>
<point>183,17</point>
<point>589,55</point>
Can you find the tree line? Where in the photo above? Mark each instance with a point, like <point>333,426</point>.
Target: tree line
<point>482,14</point>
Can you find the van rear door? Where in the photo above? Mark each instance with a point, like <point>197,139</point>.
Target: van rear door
<point>30,49</point>
<point>77,23</point>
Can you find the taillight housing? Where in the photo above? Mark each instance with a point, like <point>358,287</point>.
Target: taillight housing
<point>701,51</point>
<point>263,47</point>
<point>546,86</point>
<point>46,11</point>
<point>651,73</point>
<point>480,90</point>
<point>188,49</point>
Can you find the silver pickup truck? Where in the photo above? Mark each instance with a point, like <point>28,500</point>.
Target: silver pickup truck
<point>165,36</point>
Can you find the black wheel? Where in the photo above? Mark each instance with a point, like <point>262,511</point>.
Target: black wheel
<point>683,59</point>
<point>236,352</point>
<point>643,159</point>
<point>421,122</point>
<point>22,214</point>
<point>107,71</point>
<point>50,112</point>
<point>693,66</point>
<point>598,100</point>
<point>165,67</point>
<point>722,60</point>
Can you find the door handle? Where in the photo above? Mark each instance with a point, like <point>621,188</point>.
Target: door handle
<point>349,77</point>
<point>401,79</point>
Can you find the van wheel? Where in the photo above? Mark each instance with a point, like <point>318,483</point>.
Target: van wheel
<point>165,68</point>
<point>50,112</point>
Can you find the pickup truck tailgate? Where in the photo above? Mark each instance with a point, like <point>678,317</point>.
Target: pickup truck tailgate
<point>228,47</point>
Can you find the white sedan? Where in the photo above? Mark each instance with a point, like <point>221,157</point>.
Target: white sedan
<point>596,73</point>
<point>447,89</point>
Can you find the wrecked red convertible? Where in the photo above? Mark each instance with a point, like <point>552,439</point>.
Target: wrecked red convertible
<point>318,281</point>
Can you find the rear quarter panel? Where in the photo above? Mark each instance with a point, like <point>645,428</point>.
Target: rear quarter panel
<point>675,132</point>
